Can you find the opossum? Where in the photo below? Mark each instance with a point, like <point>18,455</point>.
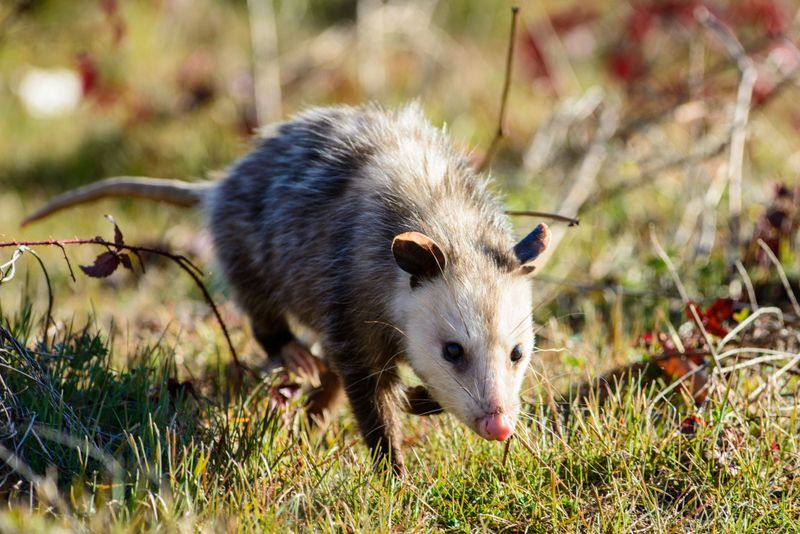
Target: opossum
<point>368,227</point>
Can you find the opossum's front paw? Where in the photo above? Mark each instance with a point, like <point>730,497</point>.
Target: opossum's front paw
<point>297,359</point>
<point>420,402</point>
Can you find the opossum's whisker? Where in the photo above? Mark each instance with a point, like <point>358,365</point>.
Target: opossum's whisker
<point>379,371</point>
<point>457,381</point>
<point>384,368</point>
<point>521,323</point>
<point>383,323</point>
<point>431,412</point>
<point>463,321</point>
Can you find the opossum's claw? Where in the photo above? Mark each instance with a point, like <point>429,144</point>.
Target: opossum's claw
<point>298,360</point>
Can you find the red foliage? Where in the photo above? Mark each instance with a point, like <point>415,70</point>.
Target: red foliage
<point>87,69</point>
<point>690,425</point>
<point>771,16</point>
<point>531,56</point>
<point>627,64</point>
<point>714,316</point>
<point>569,19</point>
<point>110,9</point>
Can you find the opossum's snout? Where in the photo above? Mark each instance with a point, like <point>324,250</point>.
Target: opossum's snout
<point>496,427</point>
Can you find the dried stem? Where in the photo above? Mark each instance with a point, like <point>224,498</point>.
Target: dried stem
<point>782,273</point>
<point>740,115</point>
<point>748,284</point>
<point>501,119</point>
<point>544,215</point>
<point>183,262</point>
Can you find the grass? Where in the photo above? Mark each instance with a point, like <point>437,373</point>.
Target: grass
<point>154,457</point>
<point>127,415</point>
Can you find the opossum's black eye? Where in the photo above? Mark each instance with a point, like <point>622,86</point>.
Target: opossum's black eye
<point>516,353</point>
<point>453,352</point>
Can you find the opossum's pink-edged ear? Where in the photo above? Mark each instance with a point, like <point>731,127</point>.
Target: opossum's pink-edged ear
<point>531,246</point>
<point>418,255</point>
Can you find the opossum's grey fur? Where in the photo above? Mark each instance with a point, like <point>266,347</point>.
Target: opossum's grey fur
<point>303,228</point>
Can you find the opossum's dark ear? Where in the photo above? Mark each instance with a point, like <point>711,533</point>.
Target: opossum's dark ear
<point>531,246</point>
<point>418,255</point>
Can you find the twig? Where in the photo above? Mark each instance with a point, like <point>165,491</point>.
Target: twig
<point>544,215</point>
<point>5,276</point>
<point>784,280</point>
<point>773,378</point>
<point>740,114</point>
<point>182,261</point>
<point>745,323</point>
<point>501,119</point>
<point>748,284</point>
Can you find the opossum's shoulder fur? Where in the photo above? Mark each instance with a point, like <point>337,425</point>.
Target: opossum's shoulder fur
<point>304,224</point>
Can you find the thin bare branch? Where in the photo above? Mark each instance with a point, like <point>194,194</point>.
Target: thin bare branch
<point>501,119</point>
<point>183,262</point>
<point>544,215</point>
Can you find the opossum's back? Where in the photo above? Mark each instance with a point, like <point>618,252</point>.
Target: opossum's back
<point>276,216</point>
<point>335,184</point>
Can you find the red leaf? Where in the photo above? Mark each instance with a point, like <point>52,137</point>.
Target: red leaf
<point>125,260</point>
<point>720,309</point>
<point>88,71</point>
<point>118,240</point>
<point>677,366</point>
<point>568,19</point>
<point>639,23</point>
<point>118,236</point>
<point>627,63</point>
<point>104,264</point>
<point>690,425</point>
<point>713,317</point>
<point>532,57</point>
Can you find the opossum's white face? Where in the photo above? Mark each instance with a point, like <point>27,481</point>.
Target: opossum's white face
<point>469,335</point>
<point>471,348</point>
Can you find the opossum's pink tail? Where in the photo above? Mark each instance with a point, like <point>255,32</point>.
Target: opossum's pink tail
<point>177,192</point>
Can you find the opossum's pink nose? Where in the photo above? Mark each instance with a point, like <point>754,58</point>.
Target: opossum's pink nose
<point>495,427</point>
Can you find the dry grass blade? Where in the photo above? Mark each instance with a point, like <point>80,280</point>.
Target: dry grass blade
<point>782,273</point>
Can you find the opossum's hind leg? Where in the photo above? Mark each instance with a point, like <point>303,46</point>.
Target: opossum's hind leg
<point>277,340</point>
<point>374,399</point>
<point>420,402</point>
